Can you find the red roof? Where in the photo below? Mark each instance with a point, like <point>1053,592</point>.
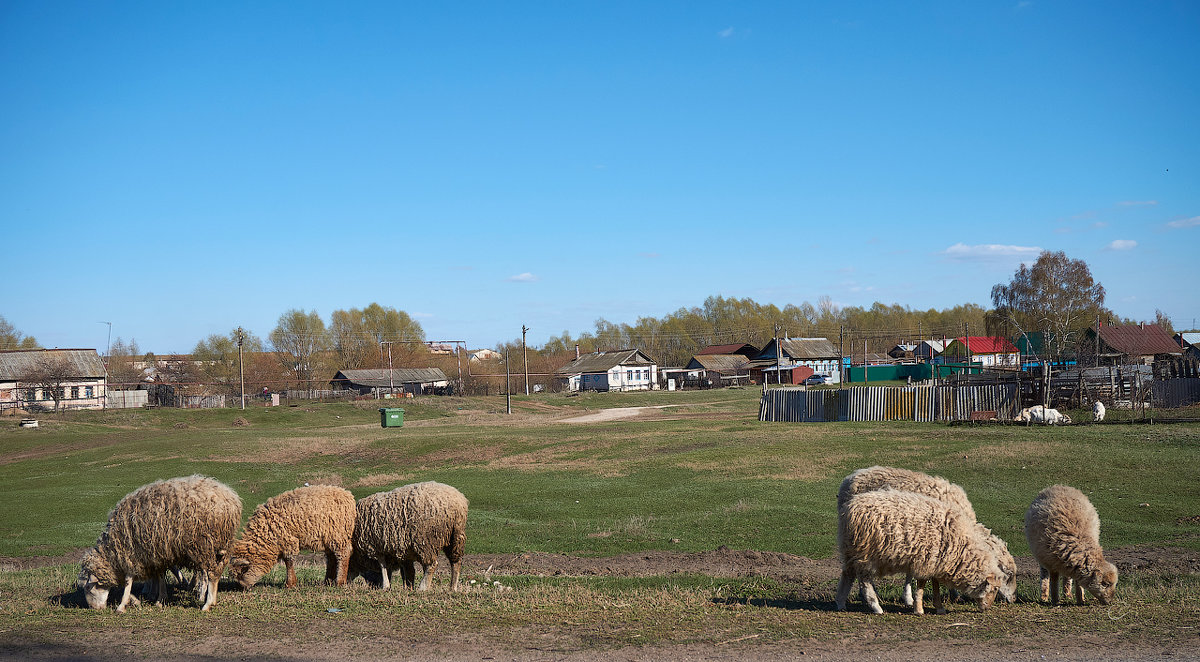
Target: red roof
<point>989,345</point>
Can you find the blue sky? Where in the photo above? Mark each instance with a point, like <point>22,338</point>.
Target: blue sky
<point>180,169</point>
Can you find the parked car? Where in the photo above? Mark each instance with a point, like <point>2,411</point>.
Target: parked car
<point>813,380</point>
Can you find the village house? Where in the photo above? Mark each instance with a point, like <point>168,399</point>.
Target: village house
<point>379,381</point>
<point>986,351</point>
<point>620,370</point>
<point>816,353</point>
<point>1130,343</point>
<point>29,378</point>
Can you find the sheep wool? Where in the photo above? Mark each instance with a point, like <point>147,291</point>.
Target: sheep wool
<point>1063,530</point>
<point>877,478</point>
<point>410,523</point>
<point>185,522</point>
<point>890,531</point>
<point>318,518</point>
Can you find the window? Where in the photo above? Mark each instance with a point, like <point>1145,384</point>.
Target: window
<point>87,392</point>
<point>74,392</point>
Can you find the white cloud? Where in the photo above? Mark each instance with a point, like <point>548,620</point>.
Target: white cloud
<point>1122,245</point>
<point>1138,203</point>
<point>961,251</point>
<point>1099,224</point>
<point>523,278</point>
<point>1185,222</point>
<point>726,33</point>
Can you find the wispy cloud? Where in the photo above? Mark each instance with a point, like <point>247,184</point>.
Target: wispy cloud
<point>1138,203</point>
<point>961,251</point>
<point>726,33</point>
<point>523,278</point>
<point>1122,245</point>
<point>1185,222</point>
<point>1099,224</point>
<point>424,315</point>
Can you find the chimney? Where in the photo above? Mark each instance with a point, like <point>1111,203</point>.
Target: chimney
<point>576,351</point>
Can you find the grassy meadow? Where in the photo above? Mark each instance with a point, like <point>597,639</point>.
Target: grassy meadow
<point>695,473</point>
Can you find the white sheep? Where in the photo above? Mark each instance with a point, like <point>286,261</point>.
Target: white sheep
<point>1063,530</point>
<point>410,523</point>
<point>1040,414</point>
<point>1097,411</point>
<point>318,517</point>
<point>889,531</point>
<point>182,522</point>
<point>877,477</point>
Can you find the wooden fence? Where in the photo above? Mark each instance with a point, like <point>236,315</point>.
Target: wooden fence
<point>911,403</point>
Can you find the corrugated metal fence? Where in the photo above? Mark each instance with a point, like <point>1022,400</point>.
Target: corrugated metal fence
<point>885,403</point>
<point>1179,392</point>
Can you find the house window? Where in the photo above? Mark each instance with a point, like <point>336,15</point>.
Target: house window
<point>74,392</point>
<point>629,375</point>
<point>87,392</point>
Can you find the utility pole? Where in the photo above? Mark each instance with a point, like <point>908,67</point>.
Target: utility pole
<point>107,358</point>
<point>778,358</point>
<point>525,357</point>
<point>391,377</point>
<point>241,367</point>
<point>841,356</point>
<point>507,383</point>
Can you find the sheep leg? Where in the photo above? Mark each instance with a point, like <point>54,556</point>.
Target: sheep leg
<point>844,585</point>
<point>871,597</point>
<point>385,575</point>
<point>289,564</point>
<point>127,596</point>
<point>343,569</point>
<point>908,590</point>
<point>331,567</point>
<point>1045,575</point>
<point>1053,588</point>
<point>1078,592</point>
<point>427,570</point>
<point>408,572</point>
<point>938,606</point>
<point>210,598</point>
<point>918,597</point>
<point>455,568</point>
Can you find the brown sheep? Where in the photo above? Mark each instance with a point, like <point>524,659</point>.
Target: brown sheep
<point>182,522</point>
<point>1063,530</point>
<point>889,531</point>
<point>317,517</point>
<point>410,523</point>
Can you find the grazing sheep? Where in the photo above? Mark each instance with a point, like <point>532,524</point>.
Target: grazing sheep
<point>1063,531</point>
<point>1040,414</point>
<point>318,518</point>
<point>410,523</point>
<point>182,522</point>
<point>889,531</point>
<point>875,478</point>
<point>1097,411</point>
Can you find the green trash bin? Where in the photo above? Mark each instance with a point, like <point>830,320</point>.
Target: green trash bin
<point>391,417</point>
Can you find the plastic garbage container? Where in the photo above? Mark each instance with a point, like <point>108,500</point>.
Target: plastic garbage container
<point>391,417</point>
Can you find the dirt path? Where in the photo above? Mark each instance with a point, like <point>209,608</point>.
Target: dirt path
<point>614,414</point>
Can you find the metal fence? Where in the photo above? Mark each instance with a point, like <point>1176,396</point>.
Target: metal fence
<point>1174,393</point>
<point>913,403</point>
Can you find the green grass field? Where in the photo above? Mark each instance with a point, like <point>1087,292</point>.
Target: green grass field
<point>699,474</point>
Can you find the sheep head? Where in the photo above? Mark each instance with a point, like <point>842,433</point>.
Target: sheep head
<point>1102,583</point>
<point>95,579</point>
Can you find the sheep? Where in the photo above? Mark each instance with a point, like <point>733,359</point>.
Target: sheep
<point>889,531</point>
<point>1063,531</point>
<point>1040,414</point>
<point>410,523</point>
<point>186,522</point>
<point>317,517</point>
<point>1097,411</point>
<point>874,478</point>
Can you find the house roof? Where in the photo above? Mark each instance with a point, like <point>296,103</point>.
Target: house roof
<point>1137,339</point>
<point>937,346</point>
<point>719,362</point>
<point>604,361</point>
<point>16,364</point>
<point>744,349</point>
<point>1191,338</point>
<point>809,348</point>
<point>381,377</point>
<point>988,344</point>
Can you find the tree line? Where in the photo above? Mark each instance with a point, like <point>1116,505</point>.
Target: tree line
<point>1056,295</point>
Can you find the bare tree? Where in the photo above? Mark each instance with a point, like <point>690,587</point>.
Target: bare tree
<point>300,338</point>
<point>49,373</point>
<point>10,338</point>
<point>1056,295</point>
<point>217,359</point>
